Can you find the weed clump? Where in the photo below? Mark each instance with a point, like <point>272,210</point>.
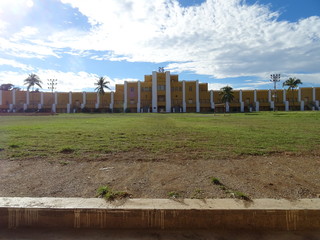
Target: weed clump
<point>67,150</point>
<point>173,194</point>
<point>241,195</point>
<point>13,146</point>
<point>110,195</point>
<point>216,181</point>
<point>227,190</point>
<point>64,163</point>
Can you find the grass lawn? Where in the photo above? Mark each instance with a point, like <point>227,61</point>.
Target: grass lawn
<point>205,136</point>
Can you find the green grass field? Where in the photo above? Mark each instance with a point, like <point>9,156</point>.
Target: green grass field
<point>205,136</point>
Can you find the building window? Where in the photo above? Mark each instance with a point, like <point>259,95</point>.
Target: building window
<point>161,87</point>
<point>161,98</point>
<point>190,89</point>
<point>132,89</point>
<point>131,101</point>
<point>146,89</point>
<point>190,100</point>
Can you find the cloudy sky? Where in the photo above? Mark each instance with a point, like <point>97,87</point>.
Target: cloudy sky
<point>234,42</point>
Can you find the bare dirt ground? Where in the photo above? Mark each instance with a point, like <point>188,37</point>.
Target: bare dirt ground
<point>278,176</point>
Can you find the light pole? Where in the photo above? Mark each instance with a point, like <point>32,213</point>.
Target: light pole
<point>52,85</point>
<point>275,78</point>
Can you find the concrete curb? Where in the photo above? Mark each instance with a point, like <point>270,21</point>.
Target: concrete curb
<point>260,214</point>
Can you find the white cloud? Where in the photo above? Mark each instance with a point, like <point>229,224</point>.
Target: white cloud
<point>25,50</point>
<point>15,64</point>
<point>219,38</point>
<point>70,81</point>
<point>216,86</point>
<point>222,38</point>
<point>66,81</point>
<point>25,33</point>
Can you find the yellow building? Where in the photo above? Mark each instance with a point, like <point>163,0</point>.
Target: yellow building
<point>159,92</point>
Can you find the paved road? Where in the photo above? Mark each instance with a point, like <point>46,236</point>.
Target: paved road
<point>51,234</point>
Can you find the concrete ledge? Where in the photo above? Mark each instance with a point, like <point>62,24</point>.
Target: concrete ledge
<point>260,214</point>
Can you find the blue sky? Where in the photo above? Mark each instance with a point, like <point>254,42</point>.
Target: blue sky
<point>221,42</point>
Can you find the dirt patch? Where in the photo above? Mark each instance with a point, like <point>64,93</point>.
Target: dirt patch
<point>148,176</point>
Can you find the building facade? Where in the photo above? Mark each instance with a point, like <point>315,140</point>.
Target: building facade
<point>159,92</point>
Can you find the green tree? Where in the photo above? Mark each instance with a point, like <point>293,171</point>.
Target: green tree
<point>101,84</point>
<point>32,80</point>
<point>6,86</point>
<point>292,84</point>
<point>226,94</point>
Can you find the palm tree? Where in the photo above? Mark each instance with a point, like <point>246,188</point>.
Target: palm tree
<point>226,94</point>
<point>292,83</point>
<point>101,85</point>
<point>32,80</point>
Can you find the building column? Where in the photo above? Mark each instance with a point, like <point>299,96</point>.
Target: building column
<point>111,101</point>
<point>270,99</point>
<point>211,99</point>
<point>272,104</point>
<point>41,98</point>
<point>241,102</point>
<point>28,97</point>
<point>257,106</point>
<point>14,96</point>
<point>184,105</point>
<point>70,98</point>
<point>227,107</point>
<point>139,97</point>
<point>302,106</point>
<point>0,97</point>
<point>54,105</point>
<point>168,92</point>
<point>197,97</point>
<point>269,95</point>
<point>56,98</point>
<point>255,95</point>
<point>286,105</point>
<point>69,104</point>
<point>84,100</point>
<point>255,100</point>
<point>154,92</point>
<point>313,94</point>
<point>97,101</point>
<point>125,96</point>
<point>41,101</point>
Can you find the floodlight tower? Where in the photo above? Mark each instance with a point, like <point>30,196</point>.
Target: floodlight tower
<point>275,78</point>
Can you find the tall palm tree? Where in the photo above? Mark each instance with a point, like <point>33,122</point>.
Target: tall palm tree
<point>226,94</point>
<point>292,83</point>
<point>32,80</point>
<point>101,85</point>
